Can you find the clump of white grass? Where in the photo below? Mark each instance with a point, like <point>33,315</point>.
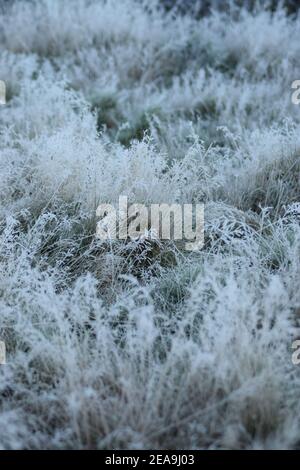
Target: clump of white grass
<point>139,344</point>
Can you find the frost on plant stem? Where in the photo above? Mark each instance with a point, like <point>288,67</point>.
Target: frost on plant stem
<point>138,343</point>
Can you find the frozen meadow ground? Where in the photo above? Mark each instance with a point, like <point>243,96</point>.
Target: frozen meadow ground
<point>134,344</point>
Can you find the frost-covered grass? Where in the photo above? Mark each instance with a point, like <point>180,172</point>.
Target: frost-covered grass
<point>141,344</point>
